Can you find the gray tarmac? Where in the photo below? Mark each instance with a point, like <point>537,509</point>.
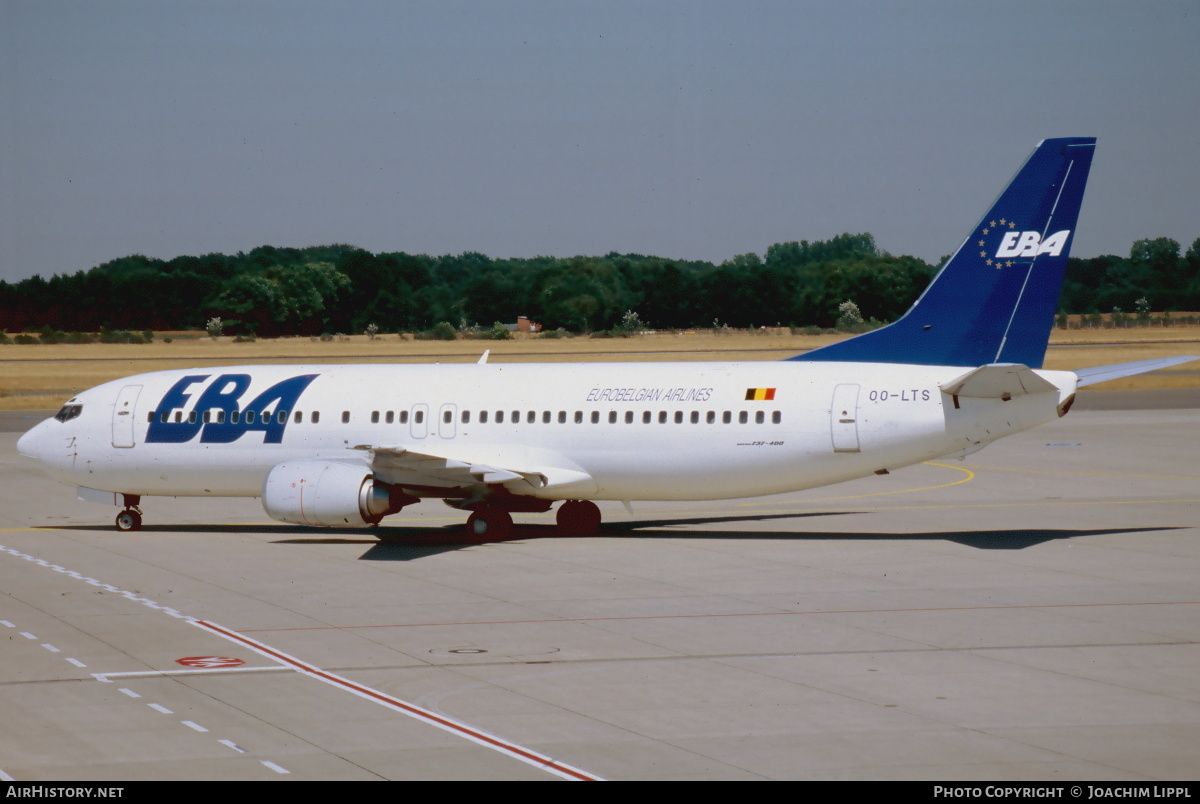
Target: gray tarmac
<point>1031,613</point>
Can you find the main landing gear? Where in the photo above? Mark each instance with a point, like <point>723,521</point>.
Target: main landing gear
<point>131,517</point>
<point>575,518</point>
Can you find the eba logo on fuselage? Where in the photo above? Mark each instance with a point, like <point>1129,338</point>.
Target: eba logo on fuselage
<point>225,394</point>
<point>1031,244</point>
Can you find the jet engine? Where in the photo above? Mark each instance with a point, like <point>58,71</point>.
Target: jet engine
<point>329,494</point>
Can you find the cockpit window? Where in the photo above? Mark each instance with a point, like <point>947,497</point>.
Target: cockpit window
<point>68,412</point>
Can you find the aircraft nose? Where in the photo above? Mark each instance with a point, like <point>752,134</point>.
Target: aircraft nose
<point>47,444</point>
<point>30,443</point>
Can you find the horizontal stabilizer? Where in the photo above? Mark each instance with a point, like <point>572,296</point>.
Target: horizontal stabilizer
<point>998,381</point>
<point>1091,376</point>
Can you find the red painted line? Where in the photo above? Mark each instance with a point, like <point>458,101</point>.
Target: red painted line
<point>442,722</point>
<point>742,614</point>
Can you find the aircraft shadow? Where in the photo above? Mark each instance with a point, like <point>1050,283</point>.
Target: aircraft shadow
<point>404,544</point>
<point>407,543</point>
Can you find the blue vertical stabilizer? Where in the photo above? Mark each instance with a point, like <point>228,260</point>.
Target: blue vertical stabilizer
<point>994,301</point>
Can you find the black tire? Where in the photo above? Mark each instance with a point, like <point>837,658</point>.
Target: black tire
<point>578,518</point>
<point>129,520</point>
<point>489,525</point>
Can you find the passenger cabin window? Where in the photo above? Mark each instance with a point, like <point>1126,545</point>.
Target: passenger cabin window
<point>776,417</point>
<point>646,417</point>
<point>531,417</point>
<point>447,417</point>
<point>595,417</point>
<point>629,417</point>
<point>220,417</point>
<point>466,417</point>
<point>579,417</point>
<point>149,416</point>
<point>316,416</point>
<point>389,417</point>
<point>298,417</point>
<point>679,417</point>
<point>612,417</point>
<point>483,417</point>
<point>404,417</point>
<point>249,417</point>
<point>345,417</point>
<point>695,417</point>
<point>760,417</point>
<point>743,417</point>
<point>499,417</point>
<point>662,417</point>
<point>562,417</point>
<point>726,417</point>
<point>545,417</point>
<point>711,418</point>
<point>419,417</point>
<point>374,417</point>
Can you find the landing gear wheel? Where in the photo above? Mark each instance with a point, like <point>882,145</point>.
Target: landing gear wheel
<point>578,518</point>
<point>489,525</point>
<point>129,520</point>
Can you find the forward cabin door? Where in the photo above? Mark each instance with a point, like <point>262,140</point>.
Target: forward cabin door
<point>123,416</point>
<point>843,418</point>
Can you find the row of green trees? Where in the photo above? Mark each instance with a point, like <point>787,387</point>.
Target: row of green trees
<point>1154,270</point>
<point>340,288</point>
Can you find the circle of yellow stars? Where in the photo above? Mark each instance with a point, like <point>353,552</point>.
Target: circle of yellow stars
<point>1001,224</point>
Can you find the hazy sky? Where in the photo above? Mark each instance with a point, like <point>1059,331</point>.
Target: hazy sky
<point>694,130</point>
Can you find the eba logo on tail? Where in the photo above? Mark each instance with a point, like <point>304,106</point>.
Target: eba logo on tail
<point>1031,244</point>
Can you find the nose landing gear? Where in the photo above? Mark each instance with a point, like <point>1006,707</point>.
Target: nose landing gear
<point>131,517</point>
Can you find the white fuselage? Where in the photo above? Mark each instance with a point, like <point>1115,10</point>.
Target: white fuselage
<point>629,431</point>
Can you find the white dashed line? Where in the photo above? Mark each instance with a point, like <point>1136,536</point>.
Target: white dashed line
<point>50,647</point>
<point>160,708</point>
<point>108,587</point>
<point>269,764</point>
<point>192,725</point>
<point>130,692</point>
<point>28,635</point>
<point>233,745</point>
<point>6,624</point>
<point>76,662</point>
<point>4,777</point>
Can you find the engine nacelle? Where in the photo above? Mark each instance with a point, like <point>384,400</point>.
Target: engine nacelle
<point>326,494</point>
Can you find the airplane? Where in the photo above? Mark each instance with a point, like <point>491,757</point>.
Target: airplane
<point>347,445</point>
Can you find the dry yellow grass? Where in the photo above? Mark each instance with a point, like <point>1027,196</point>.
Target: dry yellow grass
<point>41,377</point>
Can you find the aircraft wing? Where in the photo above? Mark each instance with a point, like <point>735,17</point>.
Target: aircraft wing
<point>517,468</point>
<point>1091,376</point>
